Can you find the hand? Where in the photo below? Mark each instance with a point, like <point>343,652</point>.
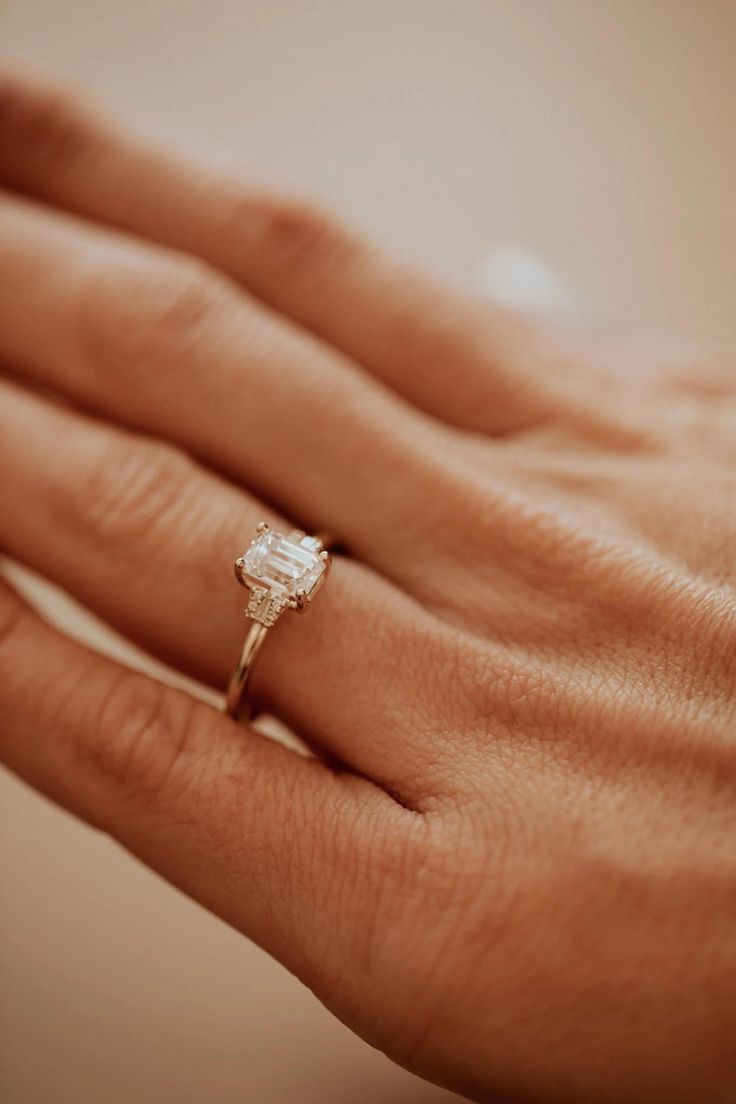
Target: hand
<point>511,860</point>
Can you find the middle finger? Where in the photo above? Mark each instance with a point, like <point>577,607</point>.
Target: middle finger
<point>153,338</point>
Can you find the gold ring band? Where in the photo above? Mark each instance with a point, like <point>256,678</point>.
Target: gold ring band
<point>281,572</point>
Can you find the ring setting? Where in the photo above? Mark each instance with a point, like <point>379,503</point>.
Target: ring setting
<point>282,571</point>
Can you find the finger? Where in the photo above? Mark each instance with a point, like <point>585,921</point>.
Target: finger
<point>470,364</point>
<point>138,333</point>
<point>147,539</point>
<point>253,831</point>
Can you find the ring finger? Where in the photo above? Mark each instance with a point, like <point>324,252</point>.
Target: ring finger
<point>146,537</point>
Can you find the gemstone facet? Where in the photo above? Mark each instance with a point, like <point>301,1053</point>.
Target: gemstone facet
<point>285,565</point>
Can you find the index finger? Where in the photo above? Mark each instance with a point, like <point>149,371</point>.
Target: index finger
<point>469,364</point>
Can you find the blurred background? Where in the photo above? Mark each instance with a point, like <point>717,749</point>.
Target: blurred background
<point>579,154</point>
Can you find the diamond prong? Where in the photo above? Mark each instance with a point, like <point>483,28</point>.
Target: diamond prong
<point>238,566</point>
<point>301,601</point>
<point>262,527</point>
<point>324,554</point>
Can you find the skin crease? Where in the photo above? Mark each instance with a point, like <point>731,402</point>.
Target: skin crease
<point>511,862</point>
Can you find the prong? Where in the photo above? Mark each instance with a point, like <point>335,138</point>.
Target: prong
<point>324,554</point>
<point>262,527</point>
<point>301,601</point>
<point>238,566</point>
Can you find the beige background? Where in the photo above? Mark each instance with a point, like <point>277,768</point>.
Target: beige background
<point>595,134</point>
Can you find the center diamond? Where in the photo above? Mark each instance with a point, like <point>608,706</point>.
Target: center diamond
<point>286,565</point>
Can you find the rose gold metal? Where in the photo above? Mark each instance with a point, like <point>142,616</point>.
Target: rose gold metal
<point>263,611</point>
<point>237,705</point>
<point>302,601</point>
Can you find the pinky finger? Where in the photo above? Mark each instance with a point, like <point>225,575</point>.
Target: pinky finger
<point>242,824</point>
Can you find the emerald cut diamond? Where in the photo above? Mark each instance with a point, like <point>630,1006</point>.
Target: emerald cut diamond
<point>288,567</point>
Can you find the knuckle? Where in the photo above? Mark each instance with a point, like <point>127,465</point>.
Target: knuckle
<point>132,489</point>
<point>139,315</point>
<point>142,739</point>
<point>548,545</point>
<point>44,124</point>
<point>297,230</point>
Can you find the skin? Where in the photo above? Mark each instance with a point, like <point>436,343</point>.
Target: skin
<point>510,861</point>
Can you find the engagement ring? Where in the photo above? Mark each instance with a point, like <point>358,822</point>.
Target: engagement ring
<point>282,573</point>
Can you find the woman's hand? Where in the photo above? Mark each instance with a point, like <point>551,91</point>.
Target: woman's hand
<point>520,880</point>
